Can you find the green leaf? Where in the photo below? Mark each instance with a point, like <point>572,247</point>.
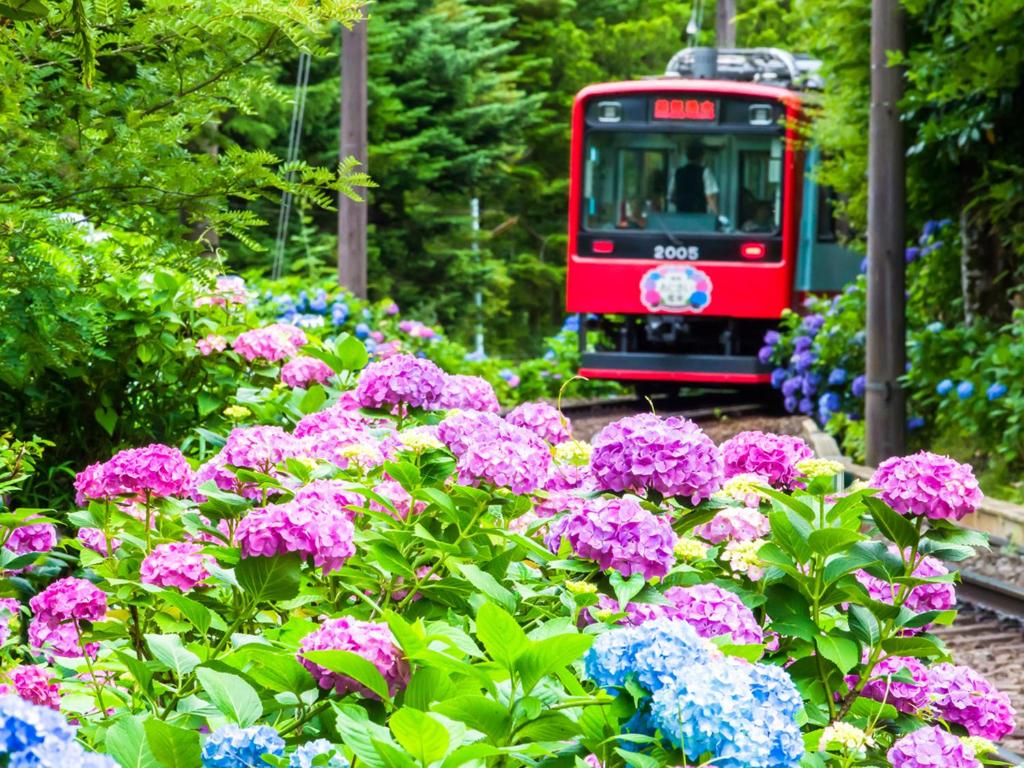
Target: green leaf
<point>550,726</point>
<point>919,646</point>
<point>232,695</point>
<point>169,650</point>
<point>208,403</point>
<point>420,734</point>
<point>23,10</point>
<point>107,418</point>
<point>892,524</point>
<point>831,540</point>
<point>351,353</point>
<point>791,533</point>
<point>354,666</point>
<point>174,747</point>
<point>626,589</point>
<point>197,613</point>
<point>486,584</point>
<point>405,473</point>
<point>500,634</point>
<point>864,625</point>
<point>479,712</point>
<point>270,578</point>
<point>359,734</point>
<point>547,656</point>
<point>841,651</point>
<point>314,398</point>
<point>126,742</point>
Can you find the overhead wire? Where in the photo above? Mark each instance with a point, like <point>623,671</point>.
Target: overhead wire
<point>294,140</point>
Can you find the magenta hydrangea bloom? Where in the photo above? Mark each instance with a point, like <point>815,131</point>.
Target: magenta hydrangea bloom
<point>461,430</point>
<point>70,599</point>
<point>556,502</point>
<point>272,343</point>
<point>960,695</point>
<point>932,747</point>
<point>399,381</point>
<point>516,462</point>
<point>35,537</point>
<point>906,697</point>
<point>938,596</point>
<point>618,534</point>
<point>709,609</point>
<point>303,371</point>
<point>773,457</point>
<point>211,343</point>
<point>468,393</point>
<point>58,639</point>
<point>230,290</point>
<point>333,495</point>
<point>94,539</point>
<point>259,448</point>
<point>734,524</point>
<point>399,498</point>
<point>338,416</point>
<point>156,471</point>
<point>928,484</point>
<point>34,683</point>
<point>319,531</point>
<point>543,420</point>
<point>374,642</point>
<point>177,564</point>
<point>567,477</point>
<point>672,456</point>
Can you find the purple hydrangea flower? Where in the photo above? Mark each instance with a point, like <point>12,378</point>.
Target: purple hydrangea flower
<point>734,524</point>
<point>773,457</point>
<point>321,530</point>
<point>931,747</point>
<point>402,380</point>
<point>935,596</point>
<point>672,456</point>
<point>542,419</point>
<point>34,537</point>
<point>470,393</point>
<point>618,534</point>
<point>928,484</point>
<point>906,697</point>
<point>259,448</point>
<point>467,428</point>
<point>373,641</point>
<point>960,695</point>
<point>518,461</point>
<point>859,385</point>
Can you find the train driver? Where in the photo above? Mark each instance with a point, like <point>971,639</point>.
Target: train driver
<point>696,190</point>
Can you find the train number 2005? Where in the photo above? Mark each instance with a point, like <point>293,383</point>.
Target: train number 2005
<point>677,253</point>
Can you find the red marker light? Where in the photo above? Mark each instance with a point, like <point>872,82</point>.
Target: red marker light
<point>603,246</point>
<point>684,109</point>
<point>753,251</point>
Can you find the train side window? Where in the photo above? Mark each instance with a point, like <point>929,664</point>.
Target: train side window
<point>831,227</point>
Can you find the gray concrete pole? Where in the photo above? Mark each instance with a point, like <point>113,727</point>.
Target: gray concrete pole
<point>352,214</point>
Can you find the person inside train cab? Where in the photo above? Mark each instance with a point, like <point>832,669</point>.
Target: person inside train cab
<point>696,190</point>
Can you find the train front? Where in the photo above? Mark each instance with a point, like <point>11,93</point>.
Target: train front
<point>683,227</point>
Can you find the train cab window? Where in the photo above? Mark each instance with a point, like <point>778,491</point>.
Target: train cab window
<point>681,182</point>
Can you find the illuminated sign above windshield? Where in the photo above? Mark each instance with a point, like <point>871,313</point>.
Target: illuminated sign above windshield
<point>684,109</point>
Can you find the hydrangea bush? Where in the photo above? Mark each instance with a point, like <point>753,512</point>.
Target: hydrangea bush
<point>374,575</point>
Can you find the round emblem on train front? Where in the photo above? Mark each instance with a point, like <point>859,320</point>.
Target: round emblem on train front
<point>675,288</point>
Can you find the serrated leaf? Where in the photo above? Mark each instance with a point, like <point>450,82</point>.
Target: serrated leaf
<point>501,635</point>
<point>892,524</point>
<point>270,578</point>
<point>420,734</point>
<point>484,714</point>
<point>864,625</point>
<point>351,665</point>
<point>829,541</point>
<point>548,656</point>
<point>174,747</point>
<point>126,742</point>
<point>841,651</point>
<point>487,584</point>
<point>169,650</point>
<point>233,696</point>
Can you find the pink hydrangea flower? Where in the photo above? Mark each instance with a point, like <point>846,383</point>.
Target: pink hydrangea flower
<point>374,642</point>
<point>90,483</point>
<point>60,640</point>
<point>211,343</point>
<point>230,289</point>
<point>734,524</point>
<point>177,564</point>
<point>618,534</point>
<point>303,371</point>
<point>937,596</point>
<point>70,599</point>
<point>333,495</point>
<point>928,484</point>
<point>154,470</point>
<point>34,683</point>
<point>556,502</point>
<point>94,539</point>
<point>400,381</point>
<point>542,419</point>
<point>339,416</point>
<point>906,697</point>
<point>518,461</point>
<point>34,537</point>
<point>672,456</point>
<point>468,393</point>
<point>709,609</point>
<point>932,747</point>
<point>399,498</point>
<point>960,695</point>
<point>272,343</point>
<point>259,448</point>
<point>318,531</point>
<point>461,430</point>
<point>773,457</point>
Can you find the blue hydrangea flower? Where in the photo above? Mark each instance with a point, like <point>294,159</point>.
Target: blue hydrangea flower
<point>304,756</point>
<point>650,652</point>
<point>56,753</point>
<point>837,377</point>
<point>790,403</point>
<point>24,725</point>
<point>911,254</point>
<point>935,327</point>
<point>864,266</point>
<point>302,301</point>
<point>930,228</point>
<point>812,323</point>
<point>964,390</point>
<point>802,343</point>
<point>944,387</point>
<point>859,386</point>
<point>803,361</point>
<point>772,338</point>
<point>996,391</point>
<point>764,354</point>
<point>362,331</point>
<point>234,747</point>
<point>811,382</point>
<point>792,386</point>
<point>339,313</point>
<point>778,377</point>
<point>915,422</point>
<point>572,323</point>
<point>828,404</point>
<point>931,247</point>
<point>806,406</point>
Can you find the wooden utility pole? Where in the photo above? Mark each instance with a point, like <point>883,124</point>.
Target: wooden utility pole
<point>885,408</point>
<point>725,23</point>
<point>352,214</point>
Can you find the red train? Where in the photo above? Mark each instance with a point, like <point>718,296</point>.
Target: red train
<point>694,217</point>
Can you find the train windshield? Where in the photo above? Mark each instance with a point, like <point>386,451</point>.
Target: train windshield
<point>682,182</point>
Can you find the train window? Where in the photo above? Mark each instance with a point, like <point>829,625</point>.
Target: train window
<point>681,182</point>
